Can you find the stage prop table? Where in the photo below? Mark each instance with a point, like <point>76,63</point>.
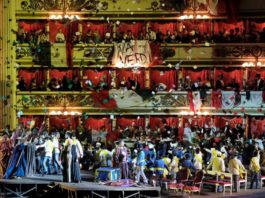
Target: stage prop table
<point>107,174</point>
<point>92,189</point>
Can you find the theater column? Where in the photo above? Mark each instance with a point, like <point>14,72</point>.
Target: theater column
<point>114,123</point>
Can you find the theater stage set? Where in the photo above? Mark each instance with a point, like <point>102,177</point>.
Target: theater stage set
<point>42,42</point>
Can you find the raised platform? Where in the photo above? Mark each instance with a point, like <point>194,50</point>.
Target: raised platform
<point>42,185</point>
<point>97,190</point>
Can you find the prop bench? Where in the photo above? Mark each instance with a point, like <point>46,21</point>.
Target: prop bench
<point>216,179</point>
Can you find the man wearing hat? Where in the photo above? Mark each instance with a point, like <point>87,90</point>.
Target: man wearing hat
<point>235,167</point>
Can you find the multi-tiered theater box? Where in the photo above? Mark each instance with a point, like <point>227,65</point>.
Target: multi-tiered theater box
<point>107,174</point>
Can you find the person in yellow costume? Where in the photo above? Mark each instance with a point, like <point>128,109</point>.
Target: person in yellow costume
<point>254,167</point>
<point>235,167</point>
<point>167,161</point>
<point>198,159</point>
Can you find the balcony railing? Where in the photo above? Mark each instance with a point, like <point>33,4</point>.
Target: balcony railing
<point>101,54</point>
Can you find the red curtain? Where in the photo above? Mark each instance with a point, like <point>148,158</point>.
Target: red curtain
<point>252,74</point>
<point>156,121</point>
<point>229,74</point>
<point>101,27</point>
<point>232,7</point>
<point>258,26</point>
<point>167,77</point>
<point>257,126</point>
<point>202,26</point>
<point>156,57</point>
<point>136,28</point>
<point>138,75</point>
<point>164,27</point>
<point>220,26</point>
<point>220,121</point>
<point>201,121</point>
<point>97,123</point>
<point>95,75</point>
<point>194,74</point>
<point>216,99</point>
<point>27,119</point>
<point>130,121</point>
<point>64,122</point>
<point>59,74</point>
<point>54,27</point>
<point>32,25</point>
<point>28,75</point>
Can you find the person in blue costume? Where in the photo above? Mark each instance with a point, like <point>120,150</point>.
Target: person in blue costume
<point>160,167</point>
<point>17,163</point>
<point>151,157</point>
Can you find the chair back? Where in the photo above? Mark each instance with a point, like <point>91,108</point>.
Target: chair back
<point>198,177</point>
<point>183,174</point>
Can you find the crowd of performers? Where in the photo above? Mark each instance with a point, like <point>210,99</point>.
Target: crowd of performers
<point>33,150</point>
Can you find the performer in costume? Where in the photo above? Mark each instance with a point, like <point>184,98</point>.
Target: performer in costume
<point>5,153</point>
<point>70,156</point>
<point>121,158</point>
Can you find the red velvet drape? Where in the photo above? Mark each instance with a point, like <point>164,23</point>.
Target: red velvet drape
<point>136,28</point>
<point>201,121</point>
<point>95,75</point>
<point>101,27</point>
<point>220,121</point>
<point>59,74</point>
<point>167,77</point>
<point>216,99</point>
<point>229,74</point>
<point>130,121</point>
<point>194,74</point>
<point>32,25</point>
<point>28,75</point>
<point>220,26</point>
<point>232,8</point>
<point>138,75</point>
<point>97,123</point>
<point>202,26</point>
<point>27,119</point>
<point>64,122</point>
<point>157,122</point>
<point>257,126</point>
<point>258,26</point>
<point>164,27</point>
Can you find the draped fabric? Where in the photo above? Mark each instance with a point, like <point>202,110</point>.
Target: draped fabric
<point>97,123</point>
<point>59,74</point>
<point>252,75</point>
<point>102,28</point>
<point>220,121</point>
<point>54,28</point>
<point>202,26</point>
<point>201,121</point>
<point>138,75</point>
<point>28,75</point>
<point>155,51</point>
<point>102,99</point>
<point>221,26</point>
<point>258,26</point>
<point>5,153</point>
<point>157,122</point>
<point>136,28</point>
<point>130,121</point>
<point>32,26</point>
<point>95,76</point>
<point>64,122</point>
<point>25,120</point>
<point>216,99</point>
<point>72,28</point>
<point>163,27</point>
<point>257,126</point>
<point>167,77</point>
<point>194,74</point>
<point>229,74</point>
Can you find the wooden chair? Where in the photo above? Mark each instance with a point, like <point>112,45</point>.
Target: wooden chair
<point>196,184</point>
<point>182,178</point>
<point>243,180</point>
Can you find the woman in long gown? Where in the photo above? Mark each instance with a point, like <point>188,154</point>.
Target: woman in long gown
<point>5,153</point>
<point>70,159</point>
